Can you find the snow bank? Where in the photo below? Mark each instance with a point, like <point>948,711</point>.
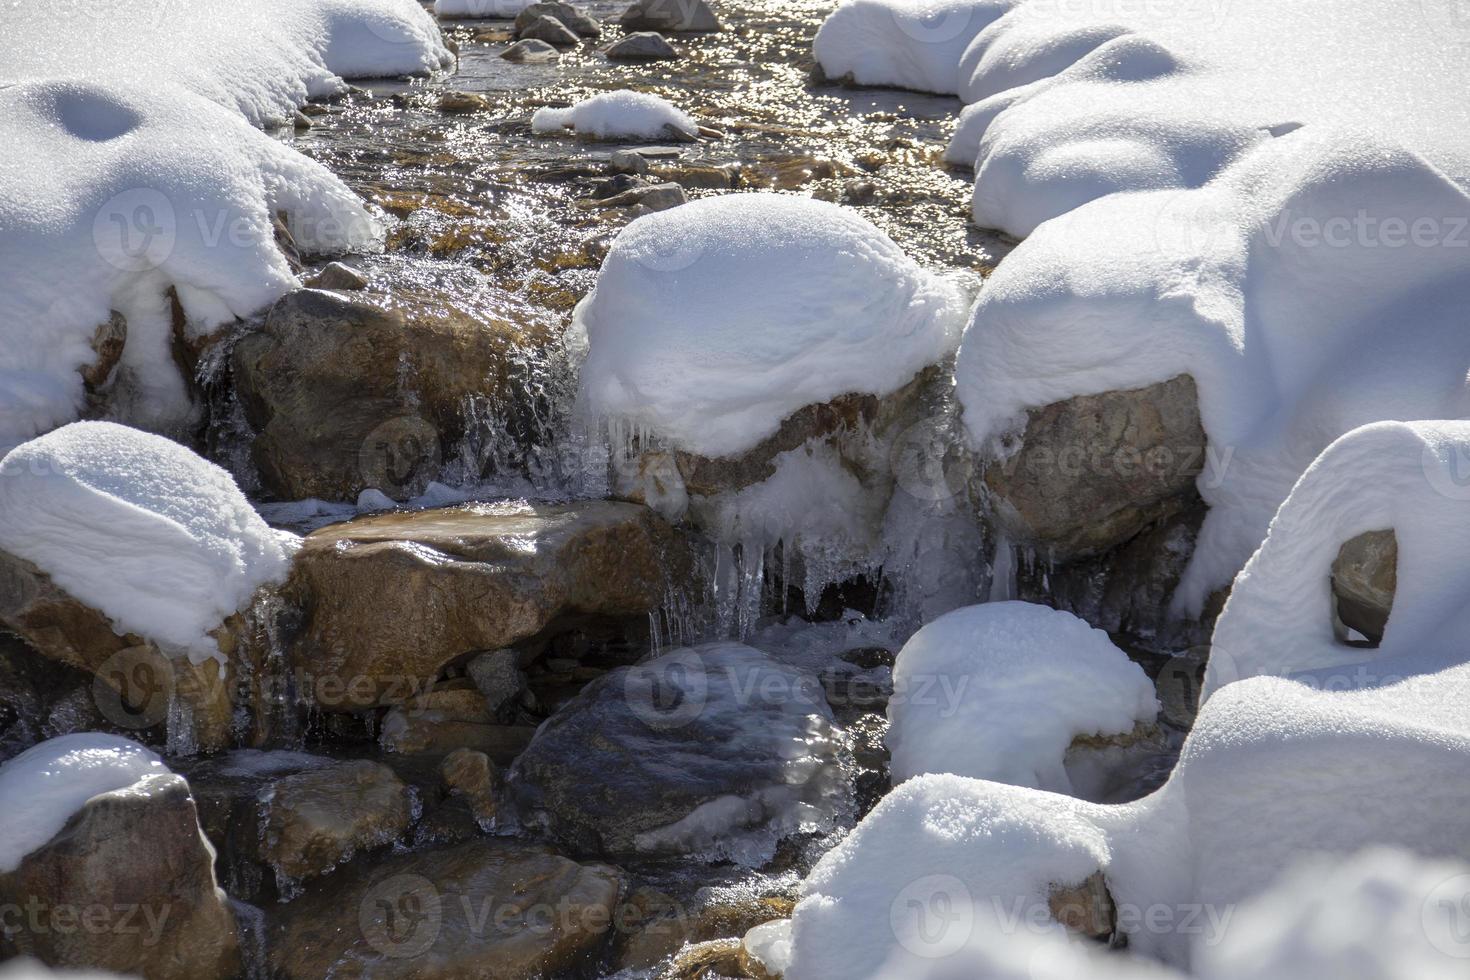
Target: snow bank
<point>712,322</point>
<point>122,193</point>
<point>261,59</point>
<point>501,9</point>
<point>1301,254</point>
<point>44,785</point>
<point>157,539</point>
<point>1408,477</point>
<point>999,691</point>
<point>1272,771</point>
<point>914,44</point>
<point>623,114</point>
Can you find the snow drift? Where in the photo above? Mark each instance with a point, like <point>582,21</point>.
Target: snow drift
<point>712,322</point>
<point>157,539</point>
<point>999,691</point>
<point>912,44</point>
<point>623,114</point>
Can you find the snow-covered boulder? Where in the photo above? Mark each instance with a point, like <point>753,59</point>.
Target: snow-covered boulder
<point>377,390</point>
<point>1000,691</point>
<point>716,752</point>
<point>124,551</point>
<point>915,44</point>
<point>1273,771</point>
<point>619,115</point>
<point>98,825</point>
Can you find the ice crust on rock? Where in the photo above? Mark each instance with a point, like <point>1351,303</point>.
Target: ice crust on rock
<point>712,322</point>
<point>157,539</point>
<point>46,784</point>
<point>999,691</point>
<point>623,114</point>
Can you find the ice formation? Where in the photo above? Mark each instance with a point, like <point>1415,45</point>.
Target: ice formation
<point>157,539</point>
<point>136,182</point>
<point>999,691</point>
<point>1272,771</point>
<point>712,322</point>
<point>44,785</point>
<point>623,114</point>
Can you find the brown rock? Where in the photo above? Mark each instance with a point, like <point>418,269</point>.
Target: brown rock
<point>391,600</point>
<point>347,392</point>
<point>108,342</point>
<point>137,686</point>
<point>574,20</point>
<point>670,15</point>
<point>471,774</point>
<point>667,926</point>
<point>711,960</point>
<point>1086,908</point>
<point>1092,472</point>
<point>137,849</point>
<point>315,820</point>
<point>1364,579</point>
<point>484,910</point>
<point>443,720</point>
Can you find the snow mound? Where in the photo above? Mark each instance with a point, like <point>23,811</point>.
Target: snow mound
<point>498,9</point>
<point>1317,285</point>
<point>915,44</point>
<point>712,322</point>
<point>159,540</point>
<point>1407,477</point>
<point>46,784</point>
<point>261,59</point>
<point>999,691</point>
<point>1273,771</point>
<point>623,114</point>
<point>121,194</point>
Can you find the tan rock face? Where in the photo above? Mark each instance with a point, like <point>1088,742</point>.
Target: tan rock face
<point>391,600</point>
<point>126,886</point>
<point>485,910</point>
<point>317,819</point>
<point>1086,908</point>
<point>471,774</point>
<point>1092,472</point>
<point>452,716</point>
<point>137,685</point>
<point>364,390</point>
<point>1364,579</point>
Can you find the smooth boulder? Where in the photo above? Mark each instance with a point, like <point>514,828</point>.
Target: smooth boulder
<point>693,16</point>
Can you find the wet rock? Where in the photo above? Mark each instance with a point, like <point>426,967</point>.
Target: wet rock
<point>499,678</point>
<point>351,392</point>
<point>40,698</point>
<point>316,820</point>
<point>1091,472</point>
<point>138,849</point>
<point>712,960</point>
<point>1086,909</point>
<point>573,19</point>
<point>338,275</point>
<point>471,775</point>
<point>458,103</point>
<point>618,184</point>
<point>391,600</point>
<point>661,925</point>
<point>496,910</point>
<point>715,751</point>
<point>136,685</point>
<point>654,197</point>
<point>703,178</point>
<point>1179,682</point>
<point>628,162</point>
<point>1364,579</point>
<point>449,718</point>
<point>670,15</point>
<point>301,122</point>
<point>550,30</point>
<point>641,46</point>
<point>859,192</point>
<point>531,51</point>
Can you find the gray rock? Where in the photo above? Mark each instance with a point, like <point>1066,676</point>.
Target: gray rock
<point>654,197</point>
<point>1364,579</point>
<point>531,51</point>
<point>498,677</point>
<point>670,15</point>
<point>642,46</point>
<point>552,31</point>
<point>137,848</point>
<point>338,275</point>
<point>652,759</point>
<point>1093,471</point>
<point>575,20</point>
<point>628,162</point>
